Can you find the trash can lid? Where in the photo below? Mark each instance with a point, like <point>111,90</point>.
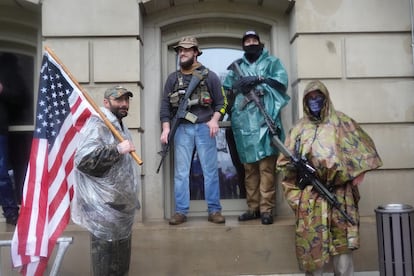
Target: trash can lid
<point>395,208</point>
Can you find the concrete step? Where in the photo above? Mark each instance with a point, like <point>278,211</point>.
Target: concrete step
<point>201,248</point>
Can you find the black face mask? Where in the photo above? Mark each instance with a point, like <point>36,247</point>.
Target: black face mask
<point>253,52</point>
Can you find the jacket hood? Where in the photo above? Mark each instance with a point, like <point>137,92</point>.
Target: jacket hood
<point>327,106</point>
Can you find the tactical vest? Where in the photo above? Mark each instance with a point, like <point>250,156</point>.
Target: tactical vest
<point>200,95</point>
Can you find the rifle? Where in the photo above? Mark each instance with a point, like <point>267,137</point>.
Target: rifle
<point>308,176</point>
<point>306,171</point>
<point>181,113</point>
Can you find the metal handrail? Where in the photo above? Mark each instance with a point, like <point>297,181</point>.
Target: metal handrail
<point>63,245</point>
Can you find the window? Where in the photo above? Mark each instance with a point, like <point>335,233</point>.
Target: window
<point>16,75</point>
<point>231,171</point>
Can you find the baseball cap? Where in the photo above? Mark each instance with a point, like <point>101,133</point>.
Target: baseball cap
<point>188,42</point>
<point>116,92</point>
<point>249,34</point>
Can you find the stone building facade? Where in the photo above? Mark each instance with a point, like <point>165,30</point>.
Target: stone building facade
<point>362,50</point>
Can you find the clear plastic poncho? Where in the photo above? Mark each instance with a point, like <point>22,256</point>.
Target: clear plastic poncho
<point>105,192</point>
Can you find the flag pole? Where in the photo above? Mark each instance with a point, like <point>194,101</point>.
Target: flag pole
<point>93,104</point>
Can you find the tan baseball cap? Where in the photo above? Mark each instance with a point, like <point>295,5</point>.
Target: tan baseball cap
<point>188,42</point>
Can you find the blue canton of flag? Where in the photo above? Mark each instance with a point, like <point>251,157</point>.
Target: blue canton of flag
<point>52,105</point>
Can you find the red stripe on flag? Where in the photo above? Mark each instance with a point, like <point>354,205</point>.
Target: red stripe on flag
<point>27,201</point>
<point>41,222</point>
<point>62,191</point>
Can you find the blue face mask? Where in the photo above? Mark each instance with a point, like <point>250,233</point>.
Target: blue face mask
<point>315,104</point>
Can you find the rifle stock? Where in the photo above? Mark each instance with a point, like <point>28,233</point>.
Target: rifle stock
<point>181,114</point>
<point>301,165</point>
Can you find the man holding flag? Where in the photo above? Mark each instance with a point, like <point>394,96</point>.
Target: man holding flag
<point>63,109</point>
<point>105,197</point>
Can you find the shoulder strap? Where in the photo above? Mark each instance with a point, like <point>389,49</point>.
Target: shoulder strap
<point>194,82</point>
<point>202,71</point>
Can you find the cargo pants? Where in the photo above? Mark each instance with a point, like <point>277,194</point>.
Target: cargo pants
<point>260,184</point>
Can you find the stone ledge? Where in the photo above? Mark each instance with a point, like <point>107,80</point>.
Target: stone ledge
<point>199,247</point>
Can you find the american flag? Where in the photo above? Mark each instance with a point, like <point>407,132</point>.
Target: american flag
<point>61,112</point>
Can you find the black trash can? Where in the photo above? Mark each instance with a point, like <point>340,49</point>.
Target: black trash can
<point>395,232</point>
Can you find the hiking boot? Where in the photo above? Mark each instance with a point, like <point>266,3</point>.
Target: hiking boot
<point>177,218</point>
<point>216,217</point>
<point>267,218</point>
<point>249,215</point>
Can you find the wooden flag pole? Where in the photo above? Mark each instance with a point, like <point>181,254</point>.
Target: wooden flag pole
<point>93,104</point>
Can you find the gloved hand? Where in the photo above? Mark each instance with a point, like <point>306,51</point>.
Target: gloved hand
<point>247,83</point>
<point>301,181</point>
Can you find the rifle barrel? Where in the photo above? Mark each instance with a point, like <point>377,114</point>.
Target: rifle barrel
<point>163,154</point>
<point>331,198</point>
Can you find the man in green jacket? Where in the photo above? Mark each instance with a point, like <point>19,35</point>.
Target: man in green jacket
<point>267,76</point>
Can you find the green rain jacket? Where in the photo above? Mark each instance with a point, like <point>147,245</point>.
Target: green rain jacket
<point>251,134</point>
<point>340,150</point>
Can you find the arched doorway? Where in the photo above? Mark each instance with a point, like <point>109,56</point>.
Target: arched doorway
<point>218,54</point>
<point>215,28</point>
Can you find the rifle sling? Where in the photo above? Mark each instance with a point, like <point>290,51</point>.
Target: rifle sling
<point>194,82</point>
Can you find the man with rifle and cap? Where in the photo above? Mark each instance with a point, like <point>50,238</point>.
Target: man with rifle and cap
<point>192,104</point>
<point>265,76</point>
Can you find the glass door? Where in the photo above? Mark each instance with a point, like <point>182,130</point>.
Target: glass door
<point>231,171</point>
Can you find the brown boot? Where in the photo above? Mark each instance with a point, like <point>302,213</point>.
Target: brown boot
<point>216,217</point>
<point>177,218</point>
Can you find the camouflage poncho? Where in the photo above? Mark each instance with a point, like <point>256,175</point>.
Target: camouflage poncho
<point>340,150</point>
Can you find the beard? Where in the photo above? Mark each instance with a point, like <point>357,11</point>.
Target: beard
<point>187,63</point>
<point>119,111</point>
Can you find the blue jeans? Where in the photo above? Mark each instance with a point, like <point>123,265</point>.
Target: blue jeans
<point>7,196</point>
<point>186,138</point>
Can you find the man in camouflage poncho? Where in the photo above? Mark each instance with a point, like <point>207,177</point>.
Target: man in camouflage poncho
<point>341,152</point>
